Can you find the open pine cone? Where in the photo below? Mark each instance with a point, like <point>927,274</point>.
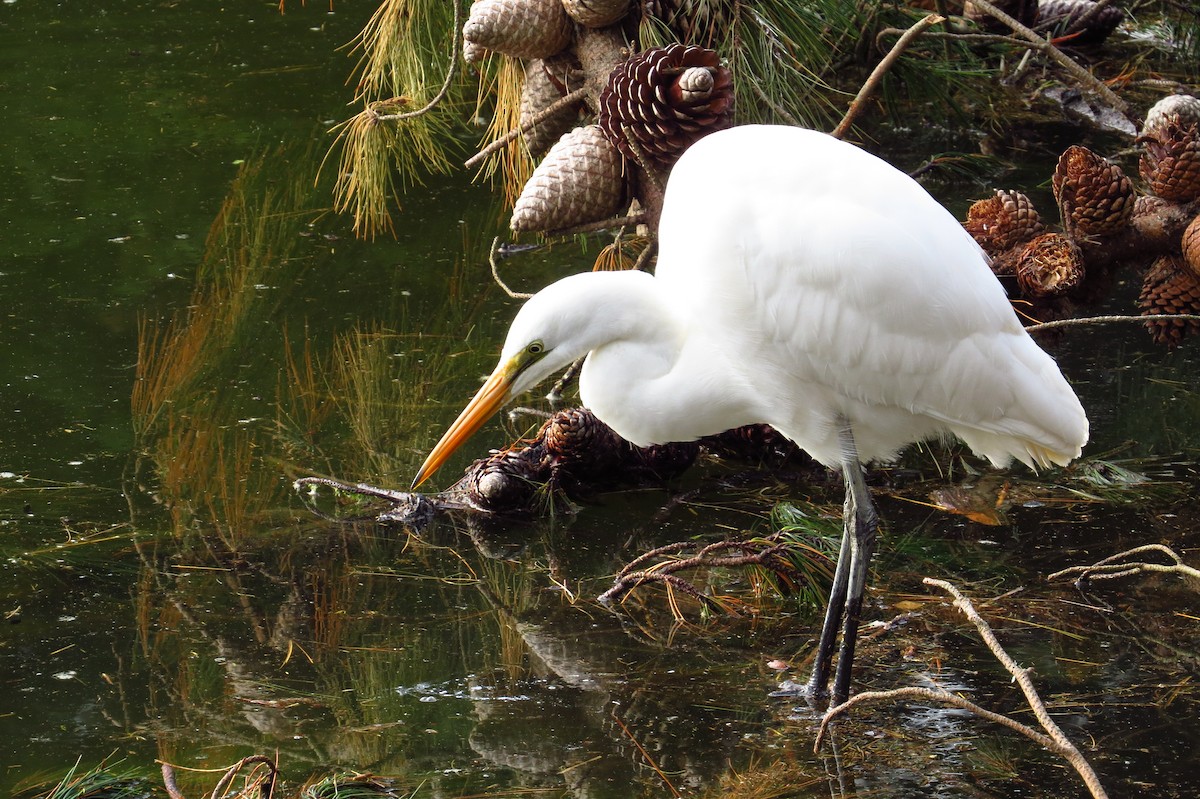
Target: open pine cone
<point>1003,221</point>
<point>659,102</point>
<point>1094,195</point>
<point>576,439</point>
<point>1170,288</point>
<point>1184,106</point>
<point>1049,265</point>
<point>1171,163</point>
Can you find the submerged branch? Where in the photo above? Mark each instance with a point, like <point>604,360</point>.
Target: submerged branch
<point>1046,48</point>
<point>1122,564</point>
<point>1064,746</point>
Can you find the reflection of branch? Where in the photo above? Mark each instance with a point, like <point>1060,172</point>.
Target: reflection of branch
<point>1054,739</point>
<point>1123,565</point>
<point>632,575</point>
<point>872,82</point>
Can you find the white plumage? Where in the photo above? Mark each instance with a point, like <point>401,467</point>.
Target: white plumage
<point>807,284</point>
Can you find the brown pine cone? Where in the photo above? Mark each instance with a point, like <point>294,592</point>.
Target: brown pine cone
<point>753,441</point>
<point>505,481</point>
<point>1049,265</point>
<point>1191,247</point>
<point>1023,11</point>
<point>576,438</point>
<point>1094,195</point>
<point>1184,106</point>
<point>659,462</point>
<point>596,13</point>
<point>579,181</point>
<point>519,28</point>
<point>543,87</point>
<point>1169,288</point>
<point>1003,221</point>
<point>1171,163</point>
<point>1063,18</point>
<point>659,102</point>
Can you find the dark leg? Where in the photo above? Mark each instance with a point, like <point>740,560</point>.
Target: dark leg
<point>861,513</point>
<point>819,681</point>
<point>859,523</point>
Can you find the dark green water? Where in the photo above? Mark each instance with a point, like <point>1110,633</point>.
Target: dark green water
<point>167,596</point>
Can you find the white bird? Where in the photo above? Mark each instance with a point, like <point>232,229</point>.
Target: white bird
<point>803,283</point>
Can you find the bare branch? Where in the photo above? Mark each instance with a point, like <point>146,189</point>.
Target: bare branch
<point>1098,320</point>
<point>1044,46</point>
<point>1122,564</point>
<point>881,69</point>
<point>565,101</point>
<point>1063,744</point>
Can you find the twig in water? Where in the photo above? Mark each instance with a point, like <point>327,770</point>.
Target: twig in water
<point>1053,739</point>
<point>516,295</point>
<point>1122,564</point>
<point>1057,56</point>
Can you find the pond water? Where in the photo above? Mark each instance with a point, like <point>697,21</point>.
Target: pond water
<point>188,329</point>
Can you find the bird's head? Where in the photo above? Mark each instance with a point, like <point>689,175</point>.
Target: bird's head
<point>545,337</point>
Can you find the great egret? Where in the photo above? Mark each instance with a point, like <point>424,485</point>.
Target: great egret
<point>807,284</point>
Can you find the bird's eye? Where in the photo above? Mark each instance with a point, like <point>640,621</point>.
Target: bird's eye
<point>535,348</point>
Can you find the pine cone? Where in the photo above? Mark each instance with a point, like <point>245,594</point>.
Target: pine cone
<point>753,441</point>
<point>579,181</point>
<point>1063,17</point>
<point>1003,221</point>
<point>1170,288</point>
<point>693,22</point>
<point>543,87</point>
<point>1184,106</point>
<point>1191,247</point>
<point>1094,195</point>
<point>577,439</point>
<point>505,481</point>
<point>1023,11</point>
<point>1171,163</point>
<point>519,28</point>
<point>659,462</point>
<point>1049,265</point>
<point>596,13</point>
<point>659,102</point>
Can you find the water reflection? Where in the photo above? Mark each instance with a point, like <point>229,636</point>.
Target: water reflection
<point>182,604</point>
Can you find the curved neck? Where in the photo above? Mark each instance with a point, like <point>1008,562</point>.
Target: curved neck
<point>654,377</point>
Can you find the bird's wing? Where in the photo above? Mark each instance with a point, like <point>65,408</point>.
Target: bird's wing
<point>849,290</point>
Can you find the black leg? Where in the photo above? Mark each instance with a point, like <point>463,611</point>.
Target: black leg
<point>818,683</point>
<point>865,522</point>
<point>859,524</point>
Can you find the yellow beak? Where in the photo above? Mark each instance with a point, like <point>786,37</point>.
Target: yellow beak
<point>483,406</point>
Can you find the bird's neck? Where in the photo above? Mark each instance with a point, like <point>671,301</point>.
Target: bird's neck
<point>654,379</point>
